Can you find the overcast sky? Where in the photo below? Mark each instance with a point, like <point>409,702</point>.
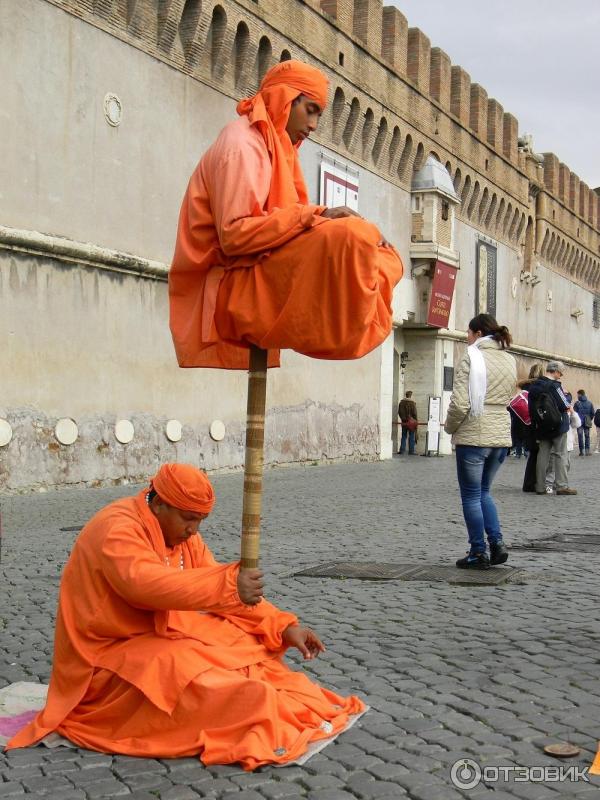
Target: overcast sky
<point>538,58</point>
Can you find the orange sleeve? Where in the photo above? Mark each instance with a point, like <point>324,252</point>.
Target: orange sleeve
<point>264,620</point>
<point>238,185</point>
<point>136,573</point>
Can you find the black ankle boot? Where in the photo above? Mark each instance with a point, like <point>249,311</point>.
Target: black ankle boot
<point>498,553</point>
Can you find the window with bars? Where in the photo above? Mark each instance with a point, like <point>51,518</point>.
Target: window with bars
<point>487,269</point>
<point>596,311</point>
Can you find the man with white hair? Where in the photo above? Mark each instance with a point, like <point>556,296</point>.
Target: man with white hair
<point>549,409</point>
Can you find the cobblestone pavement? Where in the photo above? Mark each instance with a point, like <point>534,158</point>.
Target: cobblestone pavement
<point>487,673</point>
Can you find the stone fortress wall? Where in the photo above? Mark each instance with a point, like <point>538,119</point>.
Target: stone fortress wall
<point>99,297</point>
<point>395,100</point>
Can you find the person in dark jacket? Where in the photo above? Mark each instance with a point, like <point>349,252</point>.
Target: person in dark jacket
<point>536,371</point>
<point>585,409</point>
<point>407,411</point>
<point>597,425</point>
<point>553,443</point>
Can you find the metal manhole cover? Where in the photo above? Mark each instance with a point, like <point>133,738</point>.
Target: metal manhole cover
<point>365,570</point>
<point>376,571</point>
<point>564,543</point>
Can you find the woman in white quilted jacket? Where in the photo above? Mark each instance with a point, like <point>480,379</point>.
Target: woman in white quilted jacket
<point>479,422</point>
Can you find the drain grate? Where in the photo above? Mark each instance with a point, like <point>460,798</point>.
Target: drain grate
<point>564,543</point>
<point>376,571</point>
<point>72,528</point>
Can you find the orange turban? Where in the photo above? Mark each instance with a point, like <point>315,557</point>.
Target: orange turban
<point>184,487</point>
<point>269,110</point>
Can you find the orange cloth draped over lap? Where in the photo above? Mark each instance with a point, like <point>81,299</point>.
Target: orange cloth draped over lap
<point>256,263</point>
<point>154,660</point>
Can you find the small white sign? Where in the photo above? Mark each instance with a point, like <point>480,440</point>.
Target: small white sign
<point>339,184</point>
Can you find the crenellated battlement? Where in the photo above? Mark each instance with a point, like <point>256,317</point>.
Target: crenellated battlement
<point>395,100</point>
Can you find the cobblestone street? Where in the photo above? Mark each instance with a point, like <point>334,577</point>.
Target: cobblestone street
<point>490,673</point>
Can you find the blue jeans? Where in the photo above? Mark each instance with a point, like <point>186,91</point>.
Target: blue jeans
<point>476,468</point>
<point>411,440</point>
<point>583,438</point>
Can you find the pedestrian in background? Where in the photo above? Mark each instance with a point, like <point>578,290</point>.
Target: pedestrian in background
<point>585,409</point>
<point>407,411</point>
<point>480,426</point>
<point>574,425</point>
<point>550,409</point>
<point>535,372</point>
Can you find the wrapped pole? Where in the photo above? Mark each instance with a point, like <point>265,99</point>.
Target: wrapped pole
<point>253,467</point>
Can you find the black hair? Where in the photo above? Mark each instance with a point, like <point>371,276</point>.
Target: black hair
<point>487,326</point>
<point>151,495</point>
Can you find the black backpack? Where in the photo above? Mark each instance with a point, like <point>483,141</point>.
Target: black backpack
<point>545,416</point>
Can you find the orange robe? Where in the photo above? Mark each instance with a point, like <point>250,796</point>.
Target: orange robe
<point>151,660</point>
<point>249,270</point>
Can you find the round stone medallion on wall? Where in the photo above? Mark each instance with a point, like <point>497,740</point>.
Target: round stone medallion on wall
<point>173,430</point>
<point>66,431</point>
<point>5,432</point>
<point>217,430</point>
<point>124,431</point>
<point>113,109</point>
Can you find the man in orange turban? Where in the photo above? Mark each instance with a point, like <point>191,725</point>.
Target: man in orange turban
<point>255,262</point>
<point>160,651</point>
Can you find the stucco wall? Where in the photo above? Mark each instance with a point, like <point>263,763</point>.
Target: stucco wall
<point>94,345</point>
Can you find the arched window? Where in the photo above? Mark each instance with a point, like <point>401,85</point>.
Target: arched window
<point>473,200</point>
<point>405,157</point>
<point>380,139</point>
<point>337,111</point>
<point>483,204</point>
<point>456,181</point>
<point>500,215</point>
<point>419,158</point>
<point>216,35</point>
<point>465,194</point>
<point>188,28</point>
<point>490,213</point>
<point>265,55</point>
<point>394,146</point>
<point>240,51</point>
<point>285,55</point>
<point>367,131</point>
<point>351,124</point>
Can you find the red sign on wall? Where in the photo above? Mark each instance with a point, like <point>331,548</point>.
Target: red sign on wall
<point>442,290</point>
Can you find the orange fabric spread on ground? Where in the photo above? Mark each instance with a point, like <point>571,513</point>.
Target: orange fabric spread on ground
<point>255,262</point>
<point>139,670</point>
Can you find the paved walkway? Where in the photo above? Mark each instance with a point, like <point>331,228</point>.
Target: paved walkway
<point>451,672</point>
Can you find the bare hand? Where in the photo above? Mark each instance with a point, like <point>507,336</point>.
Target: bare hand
<point>339,212</point>
<point>304,640</point>
<point>250,586</point>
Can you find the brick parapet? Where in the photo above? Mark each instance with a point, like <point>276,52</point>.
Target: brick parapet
<point>413,90</point>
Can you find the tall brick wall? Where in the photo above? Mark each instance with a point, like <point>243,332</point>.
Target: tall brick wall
<point>398,99</point>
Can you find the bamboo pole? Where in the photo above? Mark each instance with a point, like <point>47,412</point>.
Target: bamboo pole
<point>253,467</point>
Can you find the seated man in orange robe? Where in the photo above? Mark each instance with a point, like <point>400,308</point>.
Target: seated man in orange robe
<point>162,652</point>
<point>255,262</point>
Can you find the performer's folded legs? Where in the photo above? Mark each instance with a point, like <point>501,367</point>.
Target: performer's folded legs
<point>326,294</point>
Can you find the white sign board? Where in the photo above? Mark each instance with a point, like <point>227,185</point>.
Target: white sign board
<point>433,423</point>
<point>339,184</point>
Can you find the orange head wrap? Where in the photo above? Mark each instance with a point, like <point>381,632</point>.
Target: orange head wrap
<point>184,487</point>
<point>269,110</point>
